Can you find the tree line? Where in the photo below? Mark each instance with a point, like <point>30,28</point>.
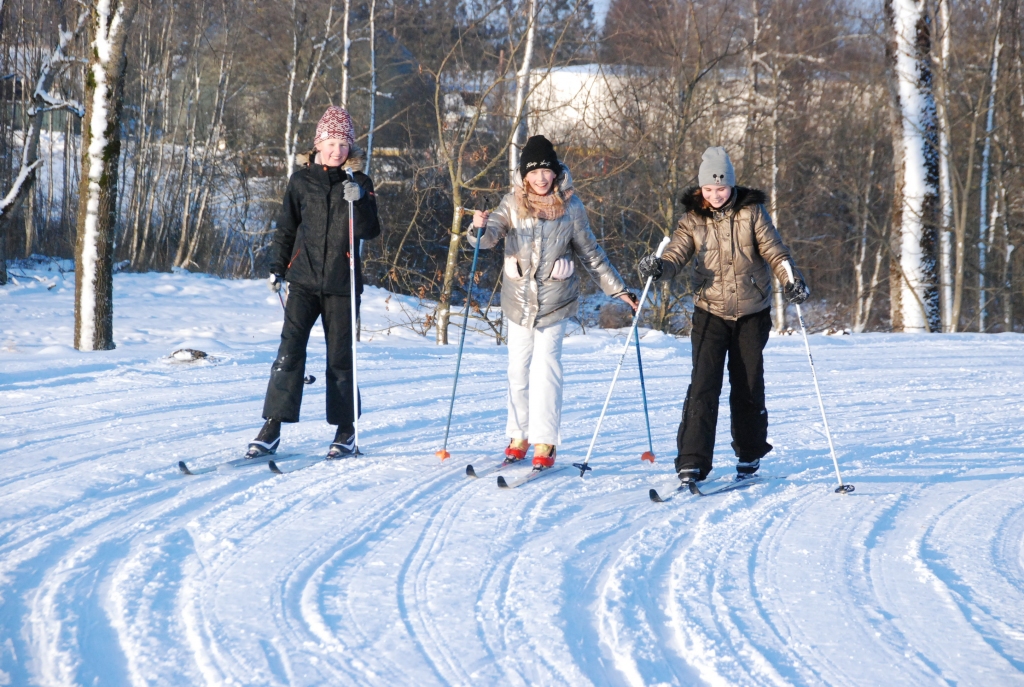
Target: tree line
<point>888,135</point>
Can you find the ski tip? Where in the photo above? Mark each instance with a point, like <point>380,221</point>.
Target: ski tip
<point>501,482</point>
<point>274,469</point>
<point>184,468</point>
<point>655,496</point>
<point>844,488</point>
<point>648,456</point>
<point>470,472</point>
<point>694,489</point>
<point>443,455</point>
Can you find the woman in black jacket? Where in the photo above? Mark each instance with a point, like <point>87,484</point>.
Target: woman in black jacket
<point>310,252</point>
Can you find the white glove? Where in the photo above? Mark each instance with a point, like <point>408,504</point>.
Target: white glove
<point>353,191</point>
<point>563,269</point>
<point>274,282</point>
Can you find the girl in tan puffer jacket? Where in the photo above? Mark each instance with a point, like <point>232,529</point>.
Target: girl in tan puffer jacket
<point>545,227</point>
<point>735,249</point>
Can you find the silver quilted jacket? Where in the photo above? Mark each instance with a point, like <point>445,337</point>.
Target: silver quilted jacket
<point>529,296</point>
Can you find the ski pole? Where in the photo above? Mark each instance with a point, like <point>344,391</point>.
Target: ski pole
<point>842,488</point>
<point>443,453</point>
<point>649,454</point>
<point>353,296</point>
<point>584,466</point>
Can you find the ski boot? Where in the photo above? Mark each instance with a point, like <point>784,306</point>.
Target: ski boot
<point>267,441</point>
<point>747,469</point>
<point>543,456</point>
<point>688,477</point>
<point>516,450</point>
<point>344,445</point>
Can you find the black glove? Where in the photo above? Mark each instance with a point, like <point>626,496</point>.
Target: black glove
<point>353,191</point>
<point>650,266</point>
<point>796,292</point>
<point>274,282</point>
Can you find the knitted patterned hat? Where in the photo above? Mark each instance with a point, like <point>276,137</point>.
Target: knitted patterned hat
<point>336,123</point>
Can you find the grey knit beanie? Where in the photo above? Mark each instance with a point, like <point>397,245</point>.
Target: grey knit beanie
<point>716,168</point>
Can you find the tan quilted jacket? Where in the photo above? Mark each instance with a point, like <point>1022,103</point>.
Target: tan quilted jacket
<point>734,250</point>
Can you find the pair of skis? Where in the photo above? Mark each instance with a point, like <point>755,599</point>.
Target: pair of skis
<point>519,481</point>
<point>278,467</point>
<point>692,488</point>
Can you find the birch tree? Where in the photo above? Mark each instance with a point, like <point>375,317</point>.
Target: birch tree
<point>297,116</point>
<point>914,299</point>
<point>522,91</point>
<point>101,151</point>
<point>986,225</point>
<point>43,101</point>
<point>946,198</point>
<point>455,134</point>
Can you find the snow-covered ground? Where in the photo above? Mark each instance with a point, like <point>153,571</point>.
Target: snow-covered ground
<point>393,569</point>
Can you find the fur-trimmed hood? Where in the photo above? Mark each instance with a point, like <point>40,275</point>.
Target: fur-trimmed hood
<point>356,161</point>
<point>742,197</point>
<point>563,182</point>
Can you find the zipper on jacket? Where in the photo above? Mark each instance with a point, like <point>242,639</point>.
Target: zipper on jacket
<point>293,258</point>
<point>754,282</point>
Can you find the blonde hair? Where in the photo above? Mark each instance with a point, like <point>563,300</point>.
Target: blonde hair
<point>531,208</point>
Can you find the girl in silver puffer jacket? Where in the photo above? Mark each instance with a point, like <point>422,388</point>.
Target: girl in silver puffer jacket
<point>545,227</point>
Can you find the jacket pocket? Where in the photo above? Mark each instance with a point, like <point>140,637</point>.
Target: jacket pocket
<point>293,258</point>
<point>512,268</point>
<point>759,289</point>
<point>700,291</point>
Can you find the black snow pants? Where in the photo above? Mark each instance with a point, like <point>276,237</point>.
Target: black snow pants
<point>712,339</point>
<point>284,392</point>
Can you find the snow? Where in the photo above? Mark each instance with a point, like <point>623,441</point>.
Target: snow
<point>394,569</point>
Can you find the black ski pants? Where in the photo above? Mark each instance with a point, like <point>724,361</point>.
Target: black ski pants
<point>713,339</point>
<point>284,392</point>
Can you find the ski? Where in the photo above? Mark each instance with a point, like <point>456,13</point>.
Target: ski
<point>230,464</point>
<point>303,463</point>
<point>472,472</point>
<point>728,486</point>
<point>693,489</point>
<point>528,477</point>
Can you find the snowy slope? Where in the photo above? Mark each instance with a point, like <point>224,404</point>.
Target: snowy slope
<point>393,569</point>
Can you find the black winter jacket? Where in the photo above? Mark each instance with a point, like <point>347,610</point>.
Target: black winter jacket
<point>310,246</point>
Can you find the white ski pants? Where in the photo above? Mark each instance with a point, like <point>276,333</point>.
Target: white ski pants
<point>535,383</point>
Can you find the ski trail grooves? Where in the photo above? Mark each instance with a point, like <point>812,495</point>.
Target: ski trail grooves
<point>391,569</point>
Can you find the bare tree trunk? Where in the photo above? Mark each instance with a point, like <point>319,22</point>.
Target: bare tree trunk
<point>986,156</point>
<point>914,297</point>
<point>522,92</point>
<point>773,195</point>
<point>947,201</point>
<point>346,46</point>
<point>42,101</point>
<point>444,303</point>
<point>292,132</point>
<point>862,309</point>
<point>373,87</point>
<point>101,152</point>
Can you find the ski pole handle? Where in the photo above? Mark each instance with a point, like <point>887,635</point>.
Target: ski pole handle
<point>662,246</point>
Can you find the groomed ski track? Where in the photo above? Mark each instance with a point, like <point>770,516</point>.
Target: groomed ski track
<point>391,569</point>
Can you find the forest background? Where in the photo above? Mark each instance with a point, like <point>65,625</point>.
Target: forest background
<point>820,102</point>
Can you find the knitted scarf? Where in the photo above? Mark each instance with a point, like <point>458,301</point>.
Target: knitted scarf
<point>551,206</point>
